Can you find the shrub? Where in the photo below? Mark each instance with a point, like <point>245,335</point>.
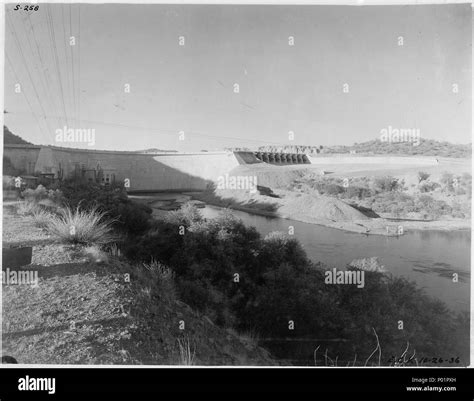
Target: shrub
<point>357,192</point>
<point>26,208</point>
<point>82,227</point>
<point>428,186</point>
<point>127,216</point>
<point>386,184</point>
<point>426,200</point>
<point>41,193</point>
<point>194,293</point>
<point>461,210</point>
<point>186,215</point>
<point>41,218</point>
<point>427,322</point>
<point>8,182</point>
<point>431,207</point>
<point>35,195</point>
<point>132,218</point>
<point>422,176</point>
<point>163,280</point>
<point>278,248</point>
<point>334,189</point>
<point>397,203</point>
<point>329,187</point>
<point>447,179</point>
<point>160,242</point>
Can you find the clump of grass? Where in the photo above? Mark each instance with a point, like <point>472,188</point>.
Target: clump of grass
<point>163,280</point>
<point>26,208</point>
<point>250,336</point>
<point>41,218</point>
<point>114,250</point>
<point>88,227</point>
<point>403,360</point>
<point>186,354</point>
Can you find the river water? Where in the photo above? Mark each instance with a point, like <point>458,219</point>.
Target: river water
<point>430,258</point>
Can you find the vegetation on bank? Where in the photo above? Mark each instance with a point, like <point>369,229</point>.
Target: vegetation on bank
<point>259,285</point>
<point>427,199</point>
<point>426,147</point>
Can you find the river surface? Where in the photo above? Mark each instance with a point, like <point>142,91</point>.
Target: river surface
<point>430,258</point>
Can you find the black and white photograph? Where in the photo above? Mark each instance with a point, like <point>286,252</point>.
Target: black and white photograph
<point>237,185</point>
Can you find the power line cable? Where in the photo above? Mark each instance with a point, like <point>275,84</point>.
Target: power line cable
<point>12,68</point>
<point>25,63</point>
<point>176,132</point>
<point>79,65</point>
<point>52,33</point>
<point>40,68</point>
<point>72,63</point>
<point>65,49</point>
<point>46,71</point>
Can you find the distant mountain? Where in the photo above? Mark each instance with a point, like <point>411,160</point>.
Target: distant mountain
<point>237,149</point>
<point>426,147</point>
<point>9,138</point>
<point>154,150</point>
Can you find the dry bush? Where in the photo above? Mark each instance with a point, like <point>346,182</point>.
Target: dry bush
<point>88,227</point>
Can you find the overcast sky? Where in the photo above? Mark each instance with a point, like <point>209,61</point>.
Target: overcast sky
<point>282,88</point>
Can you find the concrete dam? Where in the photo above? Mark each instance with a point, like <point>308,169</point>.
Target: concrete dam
<point>148,172</point>
<point>141,172</point>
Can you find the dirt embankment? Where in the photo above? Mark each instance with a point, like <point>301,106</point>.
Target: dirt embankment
<point>313,209</point>
<point>86,310</point>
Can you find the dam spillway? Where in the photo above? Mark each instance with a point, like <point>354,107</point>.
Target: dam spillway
<point>282,158</point>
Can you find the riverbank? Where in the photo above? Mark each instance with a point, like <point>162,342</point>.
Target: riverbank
<point>329,212</point>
